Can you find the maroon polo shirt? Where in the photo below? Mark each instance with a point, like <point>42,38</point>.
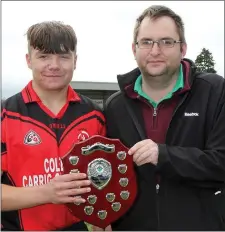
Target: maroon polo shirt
<point>157,121</point>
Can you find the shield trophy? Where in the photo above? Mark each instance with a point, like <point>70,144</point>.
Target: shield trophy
<point>113,180</point>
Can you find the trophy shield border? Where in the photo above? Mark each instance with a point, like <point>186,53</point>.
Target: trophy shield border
<point>112,169</point>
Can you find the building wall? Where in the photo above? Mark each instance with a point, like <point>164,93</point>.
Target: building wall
<point>99,96</point>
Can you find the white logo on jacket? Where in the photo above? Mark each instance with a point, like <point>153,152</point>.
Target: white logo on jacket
<point>32,138</point>
<point>191,114</point>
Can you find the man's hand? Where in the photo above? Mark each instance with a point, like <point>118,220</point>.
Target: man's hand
<point>67,188</point>
<point>60,190</point>
<point>145,151</point>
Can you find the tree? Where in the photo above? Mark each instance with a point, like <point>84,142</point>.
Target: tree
<point>204,62</point>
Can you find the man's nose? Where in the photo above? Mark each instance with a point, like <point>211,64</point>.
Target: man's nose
<point>155,49</point>
<point>54,63</point>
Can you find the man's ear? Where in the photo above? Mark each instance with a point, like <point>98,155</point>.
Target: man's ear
<point>75,61</point>
<point>28,59</point>
<point>183,50</point>
<point>134,50</point>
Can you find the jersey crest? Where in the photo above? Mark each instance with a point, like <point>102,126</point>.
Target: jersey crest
<point>32,138</point>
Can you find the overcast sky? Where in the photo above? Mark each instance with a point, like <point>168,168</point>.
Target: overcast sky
<point>104,31</point>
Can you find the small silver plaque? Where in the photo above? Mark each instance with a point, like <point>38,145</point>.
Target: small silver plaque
<point>122,168</point>
<point>116,206</point>
<point>102,214</point>
<point>110,197</point>
<point>123,182</point>
<point>121,155</point>
<point>74,160</point>
<point>124,195</point>
<point>92,199</point>
<point>88,210</point>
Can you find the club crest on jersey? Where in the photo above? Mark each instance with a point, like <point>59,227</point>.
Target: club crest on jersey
<point>83,135</point>
<point>32,138</point>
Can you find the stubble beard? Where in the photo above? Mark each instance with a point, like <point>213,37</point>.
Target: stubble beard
<point>154,75</point>
<point>164,76</point>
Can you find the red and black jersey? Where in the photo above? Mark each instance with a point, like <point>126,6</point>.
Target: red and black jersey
<point>33,141</point>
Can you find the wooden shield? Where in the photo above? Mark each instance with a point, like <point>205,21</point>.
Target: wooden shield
<point>111,171</point>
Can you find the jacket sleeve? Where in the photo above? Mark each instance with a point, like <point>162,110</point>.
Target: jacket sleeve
<point>111,127</point>
<point>195,164</point>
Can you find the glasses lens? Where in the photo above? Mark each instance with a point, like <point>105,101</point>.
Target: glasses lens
<point>166,43</point>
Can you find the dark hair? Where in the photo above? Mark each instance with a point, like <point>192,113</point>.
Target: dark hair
<point>157,11</point>
<point>52,37</point>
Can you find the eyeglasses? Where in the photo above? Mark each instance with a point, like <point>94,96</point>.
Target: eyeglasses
<point>162,43</point>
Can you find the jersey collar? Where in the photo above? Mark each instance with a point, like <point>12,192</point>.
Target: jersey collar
<point>29,95</point>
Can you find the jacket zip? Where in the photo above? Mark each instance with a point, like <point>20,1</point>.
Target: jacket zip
<point>157,202</point>
<point>158,183</point>
<point>155,112</point>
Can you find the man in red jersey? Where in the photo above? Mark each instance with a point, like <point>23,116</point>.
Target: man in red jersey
<point>39,125</point>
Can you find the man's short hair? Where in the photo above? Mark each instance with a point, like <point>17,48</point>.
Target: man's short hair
<point>52,37</point>
<point>155,12</point>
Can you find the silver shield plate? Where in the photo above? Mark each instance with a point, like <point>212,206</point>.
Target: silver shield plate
<point>99,173</point>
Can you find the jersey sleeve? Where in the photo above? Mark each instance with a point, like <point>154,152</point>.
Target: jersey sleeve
<point>102,126</point>
<point>102,131</point>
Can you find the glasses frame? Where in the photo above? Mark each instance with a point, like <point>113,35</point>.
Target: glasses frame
<point>158,43</point>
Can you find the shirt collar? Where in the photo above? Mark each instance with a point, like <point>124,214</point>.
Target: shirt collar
<point>29,95</point>
<point>179,84</point>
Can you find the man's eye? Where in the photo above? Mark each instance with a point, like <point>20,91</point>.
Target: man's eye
<point>65,57</point>
<point>146,42</point>
<point>43,56</point>
<point>167,42</point>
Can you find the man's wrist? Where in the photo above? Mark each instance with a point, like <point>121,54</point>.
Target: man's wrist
<point>42,194</point>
